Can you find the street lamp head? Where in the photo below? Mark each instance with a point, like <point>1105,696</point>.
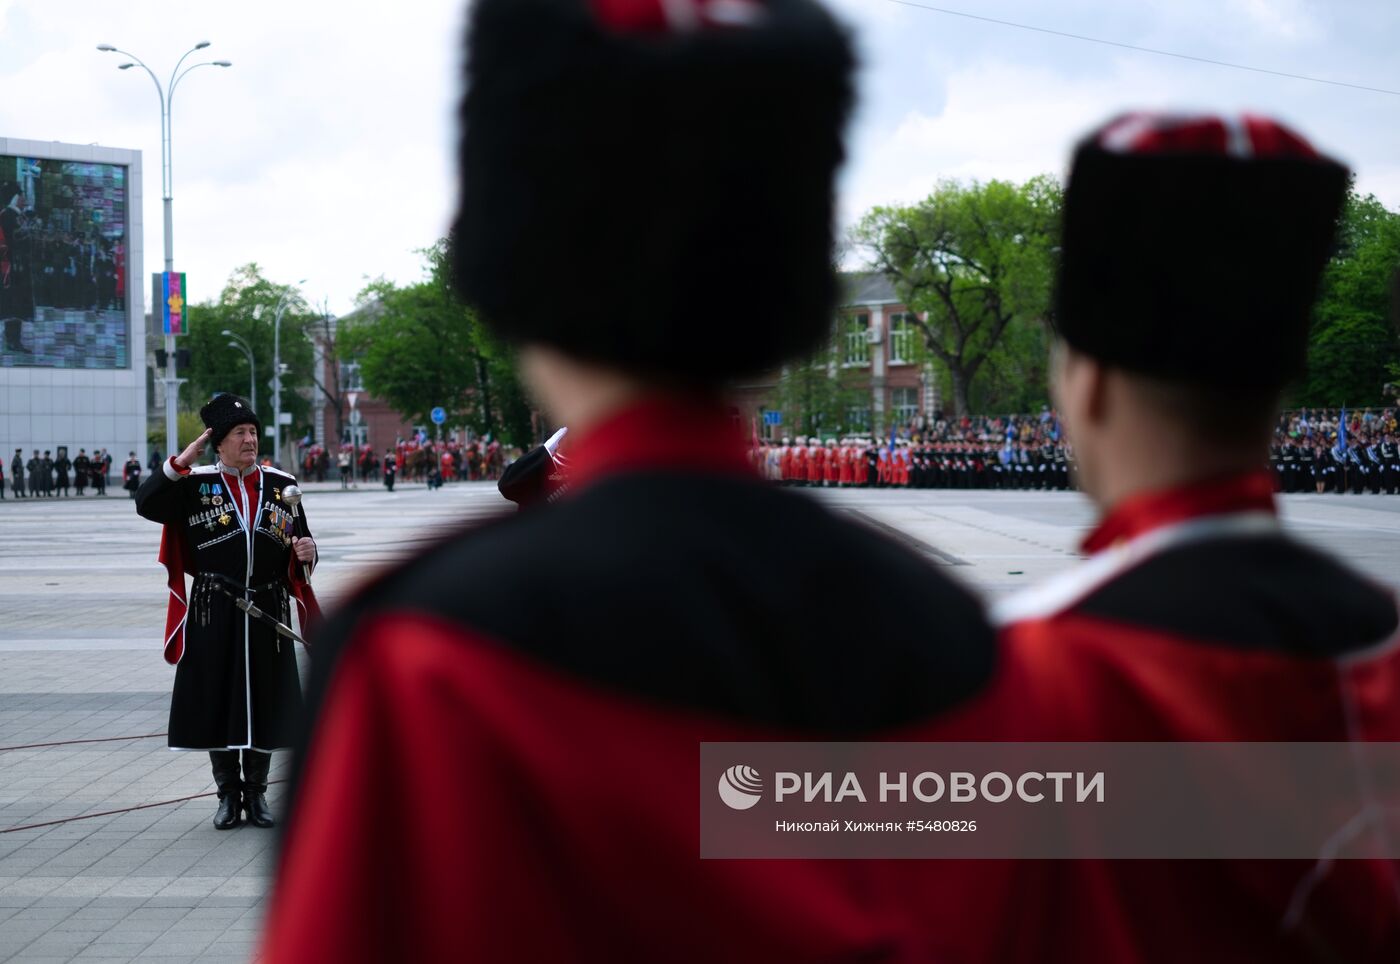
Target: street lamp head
<point>201,45</point>
<point>222,63</point>
<point>125,66</point>
<point>226,332</point>
<point>106,48</point>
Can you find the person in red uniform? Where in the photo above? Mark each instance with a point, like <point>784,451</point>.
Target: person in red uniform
<point>799,461</point>
<point>1196,617</point>
<point>501,763</point>
<point>816,462</point>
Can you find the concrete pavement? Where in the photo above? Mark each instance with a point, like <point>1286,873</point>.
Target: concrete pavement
<point>82,603</point>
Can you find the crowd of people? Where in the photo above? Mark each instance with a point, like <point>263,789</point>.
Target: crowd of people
<point>46,475</point>
<point>73,271</point>
<point>922,462</point>
<point>1313,450</point>
<point>1330,450</point>
<point>47,262</point>
<point>417,460</point>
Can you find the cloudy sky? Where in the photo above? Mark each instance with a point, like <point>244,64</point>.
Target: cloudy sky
<point>324,152</point>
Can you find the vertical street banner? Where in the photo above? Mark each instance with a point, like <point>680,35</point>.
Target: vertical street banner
<point>168,292</point>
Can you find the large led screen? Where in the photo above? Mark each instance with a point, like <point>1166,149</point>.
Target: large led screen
<point>63,264</point>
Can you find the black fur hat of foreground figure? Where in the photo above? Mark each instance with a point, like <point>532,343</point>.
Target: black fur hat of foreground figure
<point>1193,246</point>
<point>223,412</point>
<point>637,173</point>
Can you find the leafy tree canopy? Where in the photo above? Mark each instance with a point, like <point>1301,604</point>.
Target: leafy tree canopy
<point>1353,349</point>
<point>419,348</point>
<point>979,259</point>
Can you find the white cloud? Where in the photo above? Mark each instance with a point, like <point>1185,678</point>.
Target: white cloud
<point>1287,20</point>
<point>326,151</point>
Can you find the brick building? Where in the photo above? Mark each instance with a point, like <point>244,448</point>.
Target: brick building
<point>369,420</point>
<point>875,357</point>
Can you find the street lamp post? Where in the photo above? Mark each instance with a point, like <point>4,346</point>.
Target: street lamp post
<point>282,304</point>
<point>167,96</point>
<point>237,342</point>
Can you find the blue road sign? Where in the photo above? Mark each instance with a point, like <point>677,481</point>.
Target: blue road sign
<point>772,418</point>
<point>439,415</point>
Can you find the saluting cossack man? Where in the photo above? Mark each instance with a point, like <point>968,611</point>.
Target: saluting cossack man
<point>228,525</point>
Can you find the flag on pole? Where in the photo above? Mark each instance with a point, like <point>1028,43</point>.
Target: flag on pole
<point>1342,430</point>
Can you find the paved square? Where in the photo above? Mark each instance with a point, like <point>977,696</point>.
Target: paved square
<point>83,604</point>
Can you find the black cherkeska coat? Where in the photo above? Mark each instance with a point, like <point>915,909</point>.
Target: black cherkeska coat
<point>236,680</point>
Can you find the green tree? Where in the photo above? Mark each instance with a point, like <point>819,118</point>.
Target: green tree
<point>419,348</point>
<point>1353,349</point>
<point>979,260</point>
<point>247,306</point>
<point>188,428</point>
<point>818,397</point>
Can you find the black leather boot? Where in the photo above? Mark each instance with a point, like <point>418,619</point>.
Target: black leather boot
<point>225,764</point>
<point>255,767</point>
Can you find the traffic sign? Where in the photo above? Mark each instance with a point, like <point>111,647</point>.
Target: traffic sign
<point>355,416</point>
<point>772,418</point>
<point>439,415</point>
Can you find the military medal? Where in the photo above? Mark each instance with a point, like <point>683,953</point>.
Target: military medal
<point>277,494</point>
<point>224,519</point>
<point>204,499</point>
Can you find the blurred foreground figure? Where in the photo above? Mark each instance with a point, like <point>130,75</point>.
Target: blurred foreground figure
<point>503,763</point>
<point>1192,252</point>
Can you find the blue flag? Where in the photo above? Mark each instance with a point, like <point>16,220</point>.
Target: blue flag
<point>1342,431</point>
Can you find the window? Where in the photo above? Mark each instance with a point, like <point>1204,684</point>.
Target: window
<point>858,418</point>
<point>904,404</point>
<point>901,339</point>
<point>350,377</point>
<point>857,340</point>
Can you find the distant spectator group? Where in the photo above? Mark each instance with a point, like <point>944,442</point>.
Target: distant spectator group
<point>46,476</point>
<point>966,452</point>
<point>412,460</point>
<point>1313,450</point>
<point>1330,450</point>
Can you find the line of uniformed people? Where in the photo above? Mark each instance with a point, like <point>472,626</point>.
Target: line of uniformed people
<point>1365,465</point>
<point>863,463</point>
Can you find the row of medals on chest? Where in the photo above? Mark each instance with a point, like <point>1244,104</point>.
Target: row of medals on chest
<point>211,493</point>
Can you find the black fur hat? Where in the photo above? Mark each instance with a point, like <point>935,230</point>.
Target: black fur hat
<point>225,411</point>
<point>1193,247</point>
<point>637,175</point>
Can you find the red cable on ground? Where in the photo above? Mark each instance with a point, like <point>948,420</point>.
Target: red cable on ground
<point>109,813</point>
<point>105,739</point>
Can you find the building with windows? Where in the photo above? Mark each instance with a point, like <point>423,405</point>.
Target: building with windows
<point>873,375</point>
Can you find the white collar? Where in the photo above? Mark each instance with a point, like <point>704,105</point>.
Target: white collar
<point>1062,591</point>
<point>239,473</point>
